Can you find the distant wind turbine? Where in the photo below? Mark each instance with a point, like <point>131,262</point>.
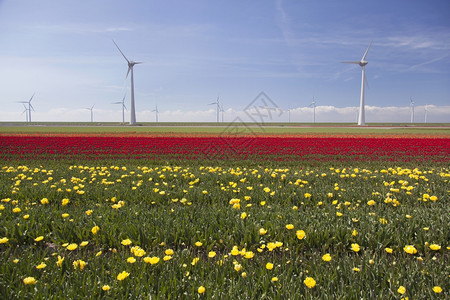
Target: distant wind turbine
<point>92,112</point>
<point>130,69</point>
<point>30,107</point>
<point>411,105</point>
<point>156,111</point>
<point>313,105</point>
<point>426,112</point>
<point>362,63</point>
<point>123,108</point>
<point>289,113</point>
<point>218,107</point>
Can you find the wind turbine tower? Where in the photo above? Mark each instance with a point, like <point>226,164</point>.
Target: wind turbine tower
<point>218,107</point>
<point>411,105</point>
<point>156,111</point>
<point>222,111</point>
<point>362,63</point>
<point>289,113</point>
<point>123,108</point>
<point>92,112</point>
<point>25,112</point>
<point>313,105</point>
<point>130,70</point>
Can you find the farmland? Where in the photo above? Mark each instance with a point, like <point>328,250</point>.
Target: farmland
<point>220,216</point>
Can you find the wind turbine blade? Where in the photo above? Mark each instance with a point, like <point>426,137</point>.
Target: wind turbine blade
<point>31,106</point>
<point>365,53</point>
<point>214,103</point>
<point>31,98</point>
<point>116,103</point>
<point>366,81</point>
<point>350,62</point>
<point>128,72</point>
<point>138,62</point>
<point>121,52</point>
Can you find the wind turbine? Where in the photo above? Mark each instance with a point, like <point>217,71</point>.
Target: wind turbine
<point>218,107</point>
<point>130,69</point>
<point>156,111</point>
<point>426,112</point>
<point>92,112</point>
<point>313,105</point>
<point>30,107</point>
<point>289,113</point>
<point>411,105</point>
<point>362,63</point>
<point>123,108</point>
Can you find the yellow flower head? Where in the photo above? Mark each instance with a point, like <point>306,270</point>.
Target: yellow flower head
<point>72,247</point>
<point>355,247</point>
<point>262,231</point>
<point>309,282</point>
<point>60,260</point>
<point>126,242</point>
<point>211,254</point>
<point>29,280</point>
<point>106,287</point>
<point>435,247</point>
<point>195,260</point>
<point>437,289</point>
<point>4,240</point>
<point>151,260</point>
<point>410,249</point>
<point>289,226</point>
<point>39,238</point>
<point>41,266</point>
<point>123,275</point>
<point>388,250</point>
<point>131,260</point>
<point>401,290</point>
<point>95,229</point>
<point>198,244</point>
<point>326,257</point>
<point>269,266</point>
<point>169,252</point>
<point>300,234</point>
<point>201,289</point>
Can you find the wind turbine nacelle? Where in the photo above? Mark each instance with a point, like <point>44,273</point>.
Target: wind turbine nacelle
<point>363,63</point>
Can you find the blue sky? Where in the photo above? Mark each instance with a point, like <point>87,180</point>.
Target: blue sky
<point>194,51</point>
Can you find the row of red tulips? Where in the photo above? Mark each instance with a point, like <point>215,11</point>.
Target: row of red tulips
<point>218,147</point>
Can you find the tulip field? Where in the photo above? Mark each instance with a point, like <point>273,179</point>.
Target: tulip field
<point>224,217</point>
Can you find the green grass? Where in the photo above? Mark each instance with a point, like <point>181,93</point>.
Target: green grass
<point>157,221</point>
<point>229,128</point>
